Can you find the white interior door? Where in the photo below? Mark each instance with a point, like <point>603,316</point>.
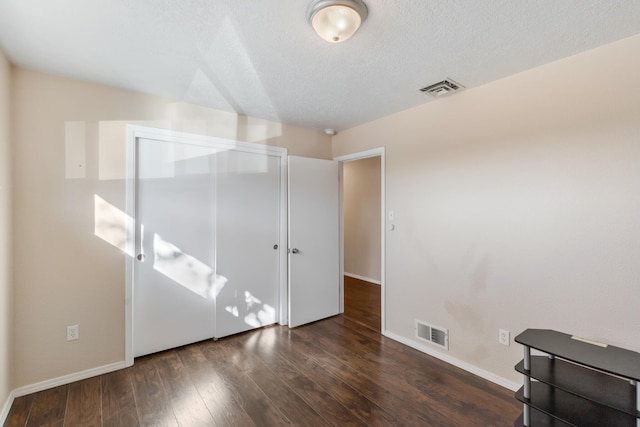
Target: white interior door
<point>314,285</point>
<point>174,267</point>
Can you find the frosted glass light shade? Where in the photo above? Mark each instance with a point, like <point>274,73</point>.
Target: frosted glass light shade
<point>336,21</point>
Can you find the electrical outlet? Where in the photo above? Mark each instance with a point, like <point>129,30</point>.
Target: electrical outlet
<point>503,337</point>
<point>72,333</point>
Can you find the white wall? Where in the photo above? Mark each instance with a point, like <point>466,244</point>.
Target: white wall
<point>361,186</point>
<point>68,168</point>
<point>6,345</point>
<point>517,206</point>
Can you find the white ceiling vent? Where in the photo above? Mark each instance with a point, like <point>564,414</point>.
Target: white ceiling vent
<point>444,87</point>
<point>433,334</point>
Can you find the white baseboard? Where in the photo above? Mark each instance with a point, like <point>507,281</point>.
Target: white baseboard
<point>67,379</point>
<point>366,279</point>
<point>5,409</point>
<point>55,382</point>
<point>503,382</point>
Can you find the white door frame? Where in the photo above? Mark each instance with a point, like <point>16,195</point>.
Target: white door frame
<point>135,132</point>
<point>376,152</point>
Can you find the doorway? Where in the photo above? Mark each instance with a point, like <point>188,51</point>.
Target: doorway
<point>362,233</point>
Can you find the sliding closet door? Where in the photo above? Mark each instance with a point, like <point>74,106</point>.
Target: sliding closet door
<point>247,222</point>
<point>174,279</point>
<point>207,232</point>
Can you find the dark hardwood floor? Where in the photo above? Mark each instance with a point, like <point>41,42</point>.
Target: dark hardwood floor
<point>333,372</point>
<point>362,302</point>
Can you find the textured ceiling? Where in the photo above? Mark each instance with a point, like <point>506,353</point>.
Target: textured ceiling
<point>262,59</point>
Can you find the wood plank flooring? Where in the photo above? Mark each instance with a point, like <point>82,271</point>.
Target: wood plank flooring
<point>362,302</point>
<point>335,372</point>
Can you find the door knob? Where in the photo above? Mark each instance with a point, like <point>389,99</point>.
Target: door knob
<point>140,257</point>
<point>275,246</point>
<point>294,251</point>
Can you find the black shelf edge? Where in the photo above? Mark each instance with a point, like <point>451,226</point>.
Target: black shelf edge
<point>614,360</point>
<point>573,409</point>
<point>540,419</point>
<point>601,388</point>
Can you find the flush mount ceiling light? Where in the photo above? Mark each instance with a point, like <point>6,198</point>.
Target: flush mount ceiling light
<point>336,20</point>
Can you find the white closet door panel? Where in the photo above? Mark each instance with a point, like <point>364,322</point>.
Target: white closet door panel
<point>248,195</point>
<point>173,294</point>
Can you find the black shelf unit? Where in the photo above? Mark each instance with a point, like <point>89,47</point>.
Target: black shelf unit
<point>578,383</point>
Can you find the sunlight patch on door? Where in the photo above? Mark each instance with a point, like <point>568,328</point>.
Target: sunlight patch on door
<point>266,315</point>
<point>186,270</point>
<point>233,310</point>
<point>256,314</point>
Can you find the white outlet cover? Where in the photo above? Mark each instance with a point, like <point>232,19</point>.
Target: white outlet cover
<point>503,337</point>
<point>72,333</point>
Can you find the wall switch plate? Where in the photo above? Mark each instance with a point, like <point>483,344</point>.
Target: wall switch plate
<point>503,337</point>
<point>72,333</point>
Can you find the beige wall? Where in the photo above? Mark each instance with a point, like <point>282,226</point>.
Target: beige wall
<point>517,205</point>
<point>361,206</point>
<point>64,274</point>
<point>6,344</point>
